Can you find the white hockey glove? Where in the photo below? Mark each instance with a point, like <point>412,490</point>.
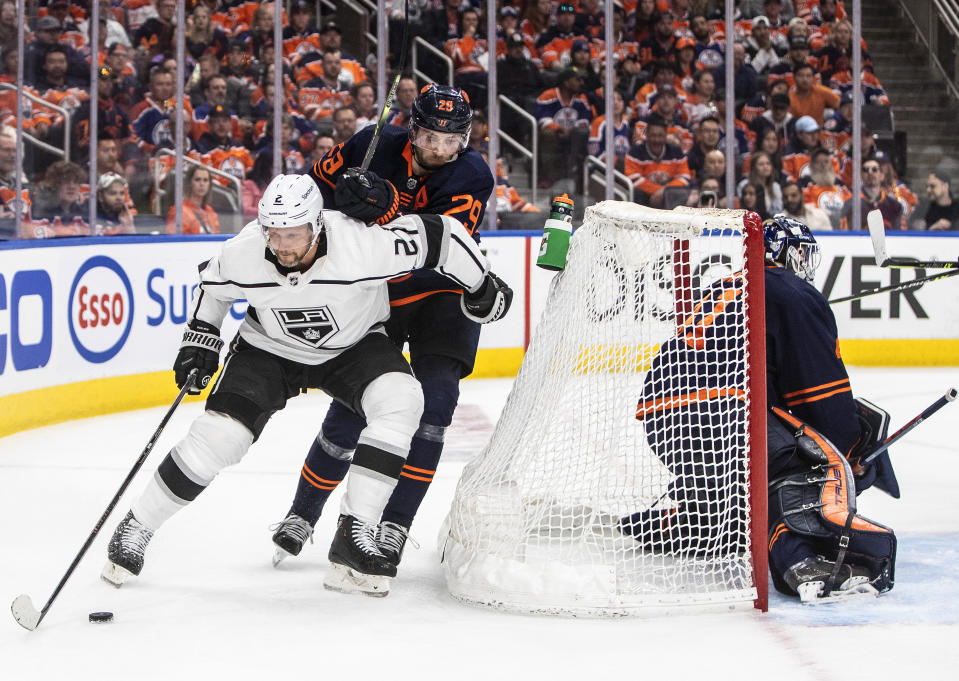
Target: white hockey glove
<point>490,302</point>
<point>199,350</point>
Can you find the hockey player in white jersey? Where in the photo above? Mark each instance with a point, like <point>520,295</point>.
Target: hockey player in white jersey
<point>315,282</point>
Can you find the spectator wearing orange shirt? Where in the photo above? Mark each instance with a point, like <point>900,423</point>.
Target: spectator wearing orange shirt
<point>807,97</point>
<point>654,165</point>
<point>821,187</point>
<point>555,43</point>
<point>468,50</point>
<point>198,216</point>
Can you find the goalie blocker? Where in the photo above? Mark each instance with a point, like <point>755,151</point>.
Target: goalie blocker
<point>812,508</point>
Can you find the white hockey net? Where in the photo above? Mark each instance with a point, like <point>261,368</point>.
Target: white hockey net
<point>536,522</point>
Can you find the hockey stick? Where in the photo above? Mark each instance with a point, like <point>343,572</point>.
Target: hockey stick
<point>388,104</point>
<point>915,421</point>
<point>22,608</point>
<point>877,232</point>
<point>902,286</point>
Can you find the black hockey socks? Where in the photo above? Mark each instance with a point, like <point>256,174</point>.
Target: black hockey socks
<point>416,476</point>
<point>320,475</point>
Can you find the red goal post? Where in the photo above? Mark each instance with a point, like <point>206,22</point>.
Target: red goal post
<point>537,521</point>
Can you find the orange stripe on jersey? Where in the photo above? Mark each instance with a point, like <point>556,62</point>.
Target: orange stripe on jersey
<point>417,470</point>
<point>815,388</point>
<point>694,337</point>
<point>648,407</point>
<point>419,296</point>
<point>816,398</point>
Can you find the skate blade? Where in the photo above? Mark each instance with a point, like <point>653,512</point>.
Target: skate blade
<point>114,575</point>
<point>348,581</point>
<point>853,589</point>
<point>279,555</point>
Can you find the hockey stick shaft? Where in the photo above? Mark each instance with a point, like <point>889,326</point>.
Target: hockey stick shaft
<point>20,603</point>
<point>877,232</point>
<point>391,96</point>
<point>915,421</point>
<point>902,286</point>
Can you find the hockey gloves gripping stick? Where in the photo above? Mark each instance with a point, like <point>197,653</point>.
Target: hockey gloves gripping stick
<point>364,195</point>
<point>490,302</point>
<point>199,350</point>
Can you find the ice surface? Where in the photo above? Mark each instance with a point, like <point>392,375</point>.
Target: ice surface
<point>209,605</point>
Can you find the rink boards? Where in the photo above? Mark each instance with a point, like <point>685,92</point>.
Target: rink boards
<point>91,325</point>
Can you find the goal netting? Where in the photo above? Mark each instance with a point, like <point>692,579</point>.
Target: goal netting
<point>539,519</point>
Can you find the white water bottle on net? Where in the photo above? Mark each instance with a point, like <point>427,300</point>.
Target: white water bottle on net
<point>626,474</point>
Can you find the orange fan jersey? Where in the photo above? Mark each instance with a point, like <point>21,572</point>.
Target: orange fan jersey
<point>830,199</point>
<point>650,175</point>
<point>318,103</point>
<point>235,161</point>
<point>466,54</point>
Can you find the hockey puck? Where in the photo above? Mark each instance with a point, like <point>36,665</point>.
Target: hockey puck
<point>101,617</point>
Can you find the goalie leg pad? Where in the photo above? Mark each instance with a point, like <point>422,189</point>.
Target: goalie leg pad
<point>820,504</point>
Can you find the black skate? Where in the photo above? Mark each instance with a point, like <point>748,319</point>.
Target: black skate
<point>357,565</point>
<point>290,536</point>
<point>125,550</point>
<point>809,578</point>
<point>391,538</point>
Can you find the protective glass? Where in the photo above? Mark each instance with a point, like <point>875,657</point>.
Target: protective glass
<point>443,143</point>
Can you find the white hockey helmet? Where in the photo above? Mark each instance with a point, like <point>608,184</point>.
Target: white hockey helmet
<point>291,201</point>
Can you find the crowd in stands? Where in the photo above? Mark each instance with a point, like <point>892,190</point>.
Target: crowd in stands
<point>792,64</point>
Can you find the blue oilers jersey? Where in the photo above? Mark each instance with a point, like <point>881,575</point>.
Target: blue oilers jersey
<point>459,189</point>
<point>805,373</point>
<point>804,370</point>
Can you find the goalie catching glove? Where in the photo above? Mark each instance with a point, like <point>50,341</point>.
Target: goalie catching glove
<point>199,350</point>
<point>366,196</point>
<point>489,302</point>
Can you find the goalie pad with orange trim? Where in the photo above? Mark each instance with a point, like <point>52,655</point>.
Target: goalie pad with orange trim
<point>819,503</point>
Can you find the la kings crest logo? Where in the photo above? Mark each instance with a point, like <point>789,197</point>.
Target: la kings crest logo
<point>310,326</point>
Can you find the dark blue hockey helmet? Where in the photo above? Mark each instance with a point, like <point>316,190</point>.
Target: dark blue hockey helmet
<point>790,244</point>
<point>441,109</point>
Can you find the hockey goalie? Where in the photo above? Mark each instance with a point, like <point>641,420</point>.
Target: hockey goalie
<point>820,548</point>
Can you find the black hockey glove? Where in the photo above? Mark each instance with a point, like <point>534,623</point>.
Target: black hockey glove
<point>490,302</point>
<point>366,196</point>
<point>199,350</point>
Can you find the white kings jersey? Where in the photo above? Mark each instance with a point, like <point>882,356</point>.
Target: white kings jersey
<point>310,317</point>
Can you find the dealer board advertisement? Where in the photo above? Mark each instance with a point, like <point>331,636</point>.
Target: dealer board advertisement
<point>87,309</point>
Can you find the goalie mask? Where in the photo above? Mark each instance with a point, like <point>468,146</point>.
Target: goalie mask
<point>440,123</point>
<point>790,244</point>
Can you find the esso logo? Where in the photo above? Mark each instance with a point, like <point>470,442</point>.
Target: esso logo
<point>100,309</point>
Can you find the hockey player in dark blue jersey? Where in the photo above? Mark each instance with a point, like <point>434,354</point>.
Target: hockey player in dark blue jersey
<point>819,548</point>
<point>427,168</point>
